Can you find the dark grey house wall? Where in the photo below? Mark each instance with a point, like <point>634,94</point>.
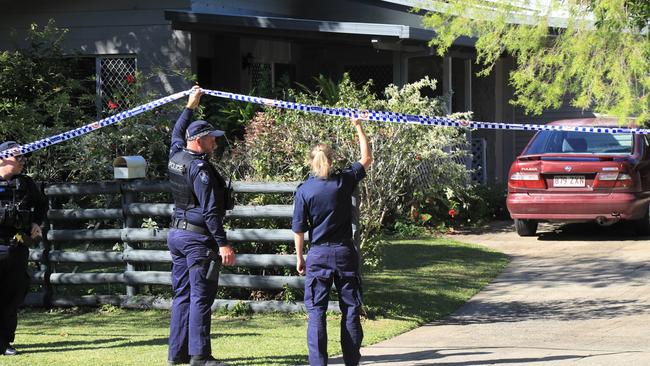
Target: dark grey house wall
<point>117,27</point>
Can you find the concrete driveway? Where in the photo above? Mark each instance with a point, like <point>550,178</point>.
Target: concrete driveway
<point>577,294</point>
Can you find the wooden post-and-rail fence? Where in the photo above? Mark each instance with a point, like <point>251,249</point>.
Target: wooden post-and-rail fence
<point>48,254</point>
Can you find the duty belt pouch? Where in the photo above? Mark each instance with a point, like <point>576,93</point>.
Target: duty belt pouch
<point>214,266</point>
<point>229,198</point>
<point>229,195</point>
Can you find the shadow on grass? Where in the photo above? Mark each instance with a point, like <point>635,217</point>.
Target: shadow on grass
<point>293,359</point>
<point>410,255</point>
<point>427,280</point>
<point>95,344</point>
<point>93,317</point>
<point>106,343</point>
<point>66,344</point>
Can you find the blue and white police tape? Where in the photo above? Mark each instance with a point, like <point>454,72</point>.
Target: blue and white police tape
<point>382,116</point>
<point>48,141</point>
<point>370,115</point>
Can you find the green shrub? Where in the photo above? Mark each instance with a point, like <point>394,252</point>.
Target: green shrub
<point>404,229</point>
<point>470,205</point>
<point>240,309</point>
<point>39,95</point>
<point>478,204</point>
<point>276,143</point>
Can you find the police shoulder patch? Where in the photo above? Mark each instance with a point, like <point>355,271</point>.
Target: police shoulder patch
<point>203,175</point>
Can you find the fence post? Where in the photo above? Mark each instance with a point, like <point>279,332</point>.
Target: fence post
<point>128,196</point>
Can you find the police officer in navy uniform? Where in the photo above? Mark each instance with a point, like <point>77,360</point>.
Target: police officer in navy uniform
<point>22,210</point>
<point>195,237</point>
<point>323,207</point>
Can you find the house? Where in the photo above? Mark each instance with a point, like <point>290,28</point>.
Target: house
<point>238,45</point>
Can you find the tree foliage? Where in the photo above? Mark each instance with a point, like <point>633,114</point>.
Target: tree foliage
<point>597,52</point>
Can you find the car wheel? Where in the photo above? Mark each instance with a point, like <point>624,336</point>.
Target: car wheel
<point>642,225</point>
<point>526,227</point>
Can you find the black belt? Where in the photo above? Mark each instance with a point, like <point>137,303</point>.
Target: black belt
<point>344,243</point>
<point>184,225</point>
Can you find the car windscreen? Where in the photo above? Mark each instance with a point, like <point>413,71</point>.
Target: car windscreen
<point>571,142</point>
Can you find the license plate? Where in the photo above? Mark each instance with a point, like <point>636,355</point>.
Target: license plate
<point>569,181</point>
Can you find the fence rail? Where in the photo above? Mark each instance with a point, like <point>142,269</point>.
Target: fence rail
<point>156,256</point>
<point>164,278</point>
<point>164,209</point>
<point>50,253</point>
<point>144,186</point>
<point>160,235</point>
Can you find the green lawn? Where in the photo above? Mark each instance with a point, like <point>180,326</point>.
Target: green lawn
<point>421,281</point>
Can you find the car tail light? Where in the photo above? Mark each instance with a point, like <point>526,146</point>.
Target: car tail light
<point>527,180</point>
<point>613,180</point>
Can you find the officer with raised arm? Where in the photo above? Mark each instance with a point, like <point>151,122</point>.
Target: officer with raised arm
<point>196,236</point>
<point>323,207</point>
<point>22,210</point>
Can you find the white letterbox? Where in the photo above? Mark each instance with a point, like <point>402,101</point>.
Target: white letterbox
<point>129,167</point>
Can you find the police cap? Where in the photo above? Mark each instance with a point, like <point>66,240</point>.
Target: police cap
<point>201,128</point>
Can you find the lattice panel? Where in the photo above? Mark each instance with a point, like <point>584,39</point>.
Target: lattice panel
<point>261,77</point>
<point>479,161</point>
<point>425,171</point>
<point>476,162</point>
<point>115,79</point>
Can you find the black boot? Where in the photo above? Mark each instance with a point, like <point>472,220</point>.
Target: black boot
<point>10,351</point>
<point>205,361</point>
<point>178,361</point>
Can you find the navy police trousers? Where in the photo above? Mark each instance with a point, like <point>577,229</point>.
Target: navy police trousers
<point>189,333</point>
<point>14,283</point>
<point>336,264</point>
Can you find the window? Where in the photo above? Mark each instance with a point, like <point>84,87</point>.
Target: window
<point>109,78</point>
<point>580,142</point>
<point>381,75</point>
<point>265,77</point>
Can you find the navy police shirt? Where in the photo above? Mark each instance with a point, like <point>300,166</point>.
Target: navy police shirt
<point>325,206</point>
<point>203,180</point>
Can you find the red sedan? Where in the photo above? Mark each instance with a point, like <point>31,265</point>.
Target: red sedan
<point>567,176</point>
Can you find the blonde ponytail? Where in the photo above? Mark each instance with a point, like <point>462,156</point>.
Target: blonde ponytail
<point>321,161</point>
